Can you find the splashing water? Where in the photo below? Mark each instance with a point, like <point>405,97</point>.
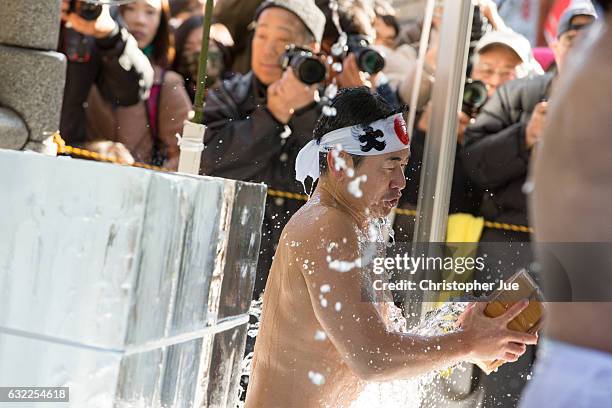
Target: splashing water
<point>329,111</point>
<point>343,266</point>
<point>340,163</point>
<point>353,186</point>
<point>286,132</point>
<point>331,91</point>
<point>320,335</point>
<point>316,378</point>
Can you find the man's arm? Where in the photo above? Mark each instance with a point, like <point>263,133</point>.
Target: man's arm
<point>360,336</point>
<point>495,150</point>
<point>126,75</point>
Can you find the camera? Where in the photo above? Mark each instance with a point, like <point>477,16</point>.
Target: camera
<point>308,68</point>
<point>368,59</point>
<point>86,10</point>
<point>475,95</point>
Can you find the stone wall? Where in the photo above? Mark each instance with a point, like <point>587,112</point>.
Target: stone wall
<point>32,73</point>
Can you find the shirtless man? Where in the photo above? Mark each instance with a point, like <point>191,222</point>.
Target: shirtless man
<point>319,341</point>
<point>574,368</point>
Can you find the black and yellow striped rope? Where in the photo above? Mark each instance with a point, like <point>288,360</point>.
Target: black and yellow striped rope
<point>62,148</point>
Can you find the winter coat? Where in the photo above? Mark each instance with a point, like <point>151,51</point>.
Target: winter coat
<point>495,154</point>
<point>245,142</point>
<point>118,68</point>
<point>150,138</point>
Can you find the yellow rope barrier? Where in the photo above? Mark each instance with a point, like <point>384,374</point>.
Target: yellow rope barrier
<point>62,148</point>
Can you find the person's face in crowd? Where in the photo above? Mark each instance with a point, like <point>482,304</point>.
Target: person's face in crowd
<point>385,34</point>
<point>383,185</point>
<point>567,40</point>
<point>142,19</point>
<point>276,29</point>
<point>194,40</point>
<point>495,65</point>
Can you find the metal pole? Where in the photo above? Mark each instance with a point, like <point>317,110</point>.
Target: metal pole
<point>418,76</point>
<point>437,171</point>
<point>441,141</point>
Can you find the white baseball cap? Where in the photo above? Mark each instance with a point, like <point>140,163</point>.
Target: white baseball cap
<point>516,42</point>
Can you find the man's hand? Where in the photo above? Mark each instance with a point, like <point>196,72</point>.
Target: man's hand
<point>352,77</point>
<point>99,28</point>
<point>431,56</point>
<point>536,124</point>
<point>462,124</point>
<point>289,94</point>
<point>488,8</point>
<point>489,338</point>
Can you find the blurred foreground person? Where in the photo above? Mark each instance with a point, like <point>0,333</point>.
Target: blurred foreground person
<point>498,149</point>
<point>571,203</point>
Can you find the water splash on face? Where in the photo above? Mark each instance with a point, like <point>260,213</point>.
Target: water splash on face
<point>354,188</point>
<point>340,163</point>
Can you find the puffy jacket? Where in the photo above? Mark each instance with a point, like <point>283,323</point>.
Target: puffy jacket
<point>116,66</point>
<point>495,155</point>
<point>243,142</point>
<point>152,143</point>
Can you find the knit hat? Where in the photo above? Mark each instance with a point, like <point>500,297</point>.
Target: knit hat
<point>306,10</point>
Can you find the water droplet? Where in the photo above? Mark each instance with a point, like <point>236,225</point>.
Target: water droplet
<point>316,378</point>
<point>320,335</point>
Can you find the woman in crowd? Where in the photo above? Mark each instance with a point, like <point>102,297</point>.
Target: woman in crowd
<point>148,129</point>
<point>188,43</point>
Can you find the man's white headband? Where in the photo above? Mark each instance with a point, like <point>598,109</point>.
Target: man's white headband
<point>383,136</point>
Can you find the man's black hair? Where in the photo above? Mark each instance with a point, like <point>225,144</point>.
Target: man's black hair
<point>606,5</point>
<point>354,106</point>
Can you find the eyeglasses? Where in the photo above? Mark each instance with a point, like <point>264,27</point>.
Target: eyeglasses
<point>504,74</point>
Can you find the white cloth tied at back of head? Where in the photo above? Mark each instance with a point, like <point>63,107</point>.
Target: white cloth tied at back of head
<point>384,136</point>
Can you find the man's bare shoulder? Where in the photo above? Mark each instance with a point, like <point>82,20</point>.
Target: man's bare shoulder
<point>319,224</point>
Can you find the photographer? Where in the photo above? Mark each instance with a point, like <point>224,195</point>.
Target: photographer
<point>258,122</point>
<point>349,39</point>
<point>498,58</point>
<point>100,52</point>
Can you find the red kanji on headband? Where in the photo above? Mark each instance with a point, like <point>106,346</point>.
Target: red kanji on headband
<point>400,130</point>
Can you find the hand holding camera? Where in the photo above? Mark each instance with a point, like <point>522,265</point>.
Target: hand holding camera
<point>88,18</point>
<point>360,62</point>
<point>288,95</point>
<point>536,124</point>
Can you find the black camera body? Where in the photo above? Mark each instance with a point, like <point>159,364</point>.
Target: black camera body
<point>86,10</point>
<point>308,68</point>
<point>368,59</point>
<point>475,95</point>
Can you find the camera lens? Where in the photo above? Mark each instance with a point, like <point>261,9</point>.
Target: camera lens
<point>370,61</point>
<point>90,11</point>
<point>475,95</point>
<point>311,71</point>
<point>87,11</point>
